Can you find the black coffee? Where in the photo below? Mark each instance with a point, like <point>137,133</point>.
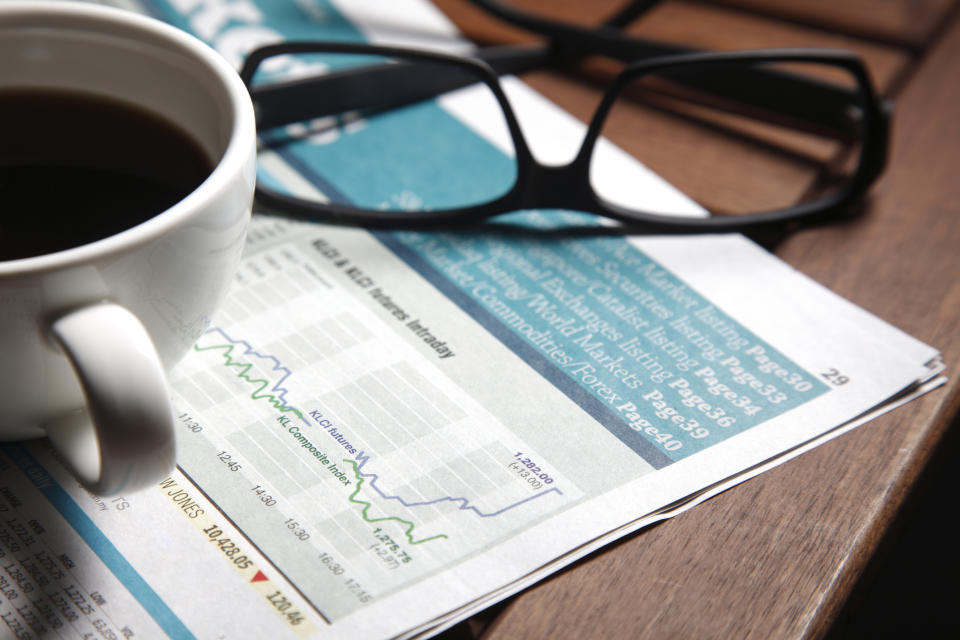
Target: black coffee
<point>75,168</point>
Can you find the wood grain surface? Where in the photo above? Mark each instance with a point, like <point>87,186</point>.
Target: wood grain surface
<point>910,23</point>
<point>777,556</point>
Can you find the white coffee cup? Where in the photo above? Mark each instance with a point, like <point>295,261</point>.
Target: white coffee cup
<point>87,333</point>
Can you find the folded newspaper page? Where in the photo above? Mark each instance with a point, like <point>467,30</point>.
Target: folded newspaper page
<point>382,433</point>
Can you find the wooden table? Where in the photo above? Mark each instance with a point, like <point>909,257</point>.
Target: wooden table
<point>780,555</point>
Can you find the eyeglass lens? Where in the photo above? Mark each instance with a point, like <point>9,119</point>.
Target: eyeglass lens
<point>394,144</point>
<point>727,152</point>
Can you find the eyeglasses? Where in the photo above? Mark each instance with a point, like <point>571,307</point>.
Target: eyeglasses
<point>389,136</point>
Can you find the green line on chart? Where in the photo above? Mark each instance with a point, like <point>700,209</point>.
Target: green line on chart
<point>367,505</point>
<point>242,369</point>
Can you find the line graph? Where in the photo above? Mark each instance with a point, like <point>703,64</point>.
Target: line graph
<point>408,526</point>
<point>277,397</point>
<point>242,369</point>
<point>464,502</point>
<point>319,430</point>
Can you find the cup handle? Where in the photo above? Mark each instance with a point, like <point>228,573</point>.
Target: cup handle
<point>123,440</point>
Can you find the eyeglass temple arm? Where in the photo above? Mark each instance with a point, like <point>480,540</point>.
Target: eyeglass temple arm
<point>624,16</point>
<point>630,12</point>
<point>760,87</point>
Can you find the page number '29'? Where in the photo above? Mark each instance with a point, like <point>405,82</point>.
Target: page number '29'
<point>835,377</point>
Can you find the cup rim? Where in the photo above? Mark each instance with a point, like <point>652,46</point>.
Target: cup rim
<point>240,146</point>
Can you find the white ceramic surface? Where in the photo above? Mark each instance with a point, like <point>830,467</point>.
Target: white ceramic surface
<point>88,332</point>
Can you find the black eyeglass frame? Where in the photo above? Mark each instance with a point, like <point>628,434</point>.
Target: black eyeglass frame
<point>540,186</point>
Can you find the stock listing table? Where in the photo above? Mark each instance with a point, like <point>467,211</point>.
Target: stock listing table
<point>794,552</point>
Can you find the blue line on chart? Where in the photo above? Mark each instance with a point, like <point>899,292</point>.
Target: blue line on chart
<point>465,505</point>
<point>277,365</point>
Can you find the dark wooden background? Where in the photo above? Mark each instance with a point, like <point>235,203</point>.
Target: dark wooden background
<point>798,551</point>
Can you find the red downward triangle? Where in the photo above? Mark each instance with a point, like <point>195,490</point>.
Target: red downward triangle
<point>259,577</point>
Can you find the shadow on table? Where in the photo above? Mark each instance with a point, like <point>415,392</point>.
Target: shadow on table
<point>909,588</point>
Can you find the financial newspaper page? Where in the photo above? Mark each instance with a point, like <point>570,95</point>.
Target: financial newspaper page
<point>383,432</point>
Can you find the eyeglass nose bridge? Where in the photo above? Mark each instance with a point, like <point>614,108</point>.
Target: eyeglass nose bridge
<point>557,186</point>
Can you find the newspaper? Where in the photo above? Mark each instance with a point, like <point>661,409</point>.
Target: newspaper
<point>381,433</point>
